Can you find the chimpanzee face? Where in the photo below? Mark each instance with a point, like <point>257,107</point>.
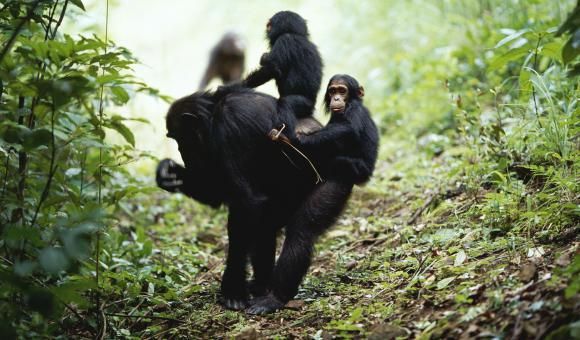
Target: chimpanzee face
<point>337,93</point>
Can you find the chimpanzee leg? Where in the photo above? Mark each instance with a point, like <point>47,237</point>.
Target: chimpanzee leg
<point>316,214</point>
<point>290,108</point>
<point>262,256</point>
<point>233,287</point>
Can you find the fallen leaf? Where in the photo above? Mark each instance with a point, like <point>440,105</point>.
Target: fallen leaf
<point>249,333</point>
<point>563,260</point>
<point>460,257</point>
<point>295,304</point>
<point>429,280</point>
<point>536,252</point>
<point>386,332</point>
<point>527,272</point>
<point>351,265</point>
<point>445,282</point>
<point>338,233</point>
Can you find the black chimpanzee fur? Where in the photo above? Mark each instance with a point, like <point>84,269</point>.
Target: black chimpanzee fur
<point>346,148</point>
<point>230,160</point>
<point>295,64</point>
<point>345,151</point>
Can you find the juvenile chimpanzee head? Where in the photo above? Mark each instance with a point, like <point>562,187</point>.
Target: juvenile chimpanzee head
<point>285,22</point>
<point>341,91</point>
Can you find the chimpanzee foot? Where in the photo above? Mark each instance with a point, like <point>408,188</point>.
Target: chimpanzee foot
<point>264,305</point>
<point>257,289</point>
<point>235,304</point>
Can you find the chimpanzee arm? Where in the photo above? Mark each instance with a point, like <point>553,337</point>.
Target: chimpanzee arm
<point>270,65</point>
<point>266,72</point>
<point>331,137</point>
<point>173,177</point>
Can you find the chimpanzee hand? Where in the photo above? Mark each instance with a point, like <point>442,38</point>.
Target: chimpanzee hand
<point>277,135</point>
<point>274,135</point>
<point>168,175</point>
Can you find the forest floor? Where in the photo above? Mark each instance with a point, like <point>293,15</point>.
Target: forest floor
<point>412,257</point>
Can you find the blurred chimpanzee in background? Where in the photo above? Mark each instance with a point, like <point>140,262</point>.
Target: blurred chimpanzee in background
<point>226,60</point>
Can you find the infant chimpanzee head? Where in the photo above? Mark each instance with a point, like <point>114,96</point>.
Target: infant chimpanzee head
<point>285,22</point>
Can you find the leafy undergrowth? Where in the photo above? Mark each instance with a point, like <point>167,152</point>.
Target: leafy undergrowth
<point>469,228</point>
<point>413,256</point>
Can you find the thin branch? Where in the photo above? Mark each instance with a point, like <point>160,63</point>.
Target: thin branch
<point>22,165</point>
<point>51,170</point>
<point>5,180</point>
<point>152,317</point>
<point>60,19</point>
<point>100,314</point>
<point>50,20</point>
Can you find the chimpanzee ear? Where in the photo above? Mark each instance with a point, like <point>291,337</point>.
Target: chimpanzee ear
<point>361,92</point>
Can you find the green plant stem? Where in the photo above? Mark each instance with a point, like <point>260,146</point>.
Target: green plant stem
<point>60,19</point>
<point>5,180</point>
<point>101,321</point>
<point>51,169</point>
<point>50,19</point>
<point>22,165</point>
<point>533,87</point>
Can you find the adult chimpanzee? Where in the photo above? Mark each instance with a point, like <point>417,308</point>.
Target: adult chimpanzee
<point>295,64</point>
<point>222,142</point>
<point>226,60</point>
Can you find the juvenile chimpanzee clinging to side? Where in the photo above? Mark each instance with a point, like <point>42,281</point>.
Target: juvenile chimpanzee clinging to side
<point>295,64</point>
<point>345,151</point>
<point>226,60</point>
<point>346,148</point>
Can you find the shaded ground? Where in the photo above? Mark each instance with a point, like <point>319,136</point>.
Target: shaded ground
<point>404,261</point>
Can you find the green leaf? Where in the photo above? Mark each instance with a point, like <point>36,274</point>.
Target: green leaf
<point>120,95</point>
<point>71,291</point>
<point>14,133</point>
<point>552,50</point>
<point>37,138</point>
<point>445,282</point>
<point>17,233</point>
<point>77,241</point>
<point>511,37</point>
<point>79,4</point>
<point>53,260</point>
<point>24,268</point>
<point>570,50</point>
<point>511,55</point>
<point>460,257</point>
<point>117,125</point>
<point>525,84</point>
